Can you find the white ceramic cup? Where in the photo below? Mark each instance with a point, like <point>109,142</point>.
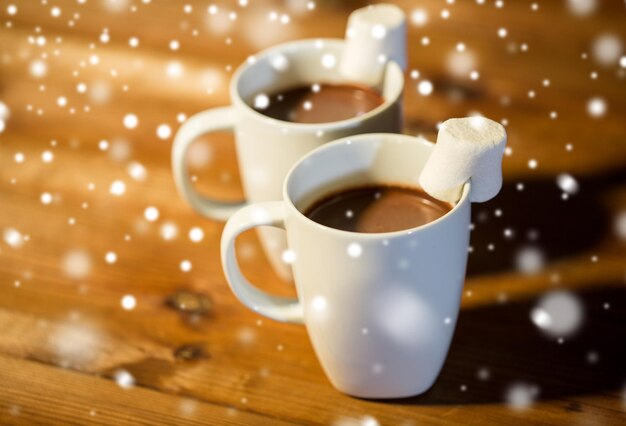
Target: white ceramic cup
<point>380,309</point>
<point>266,147</point>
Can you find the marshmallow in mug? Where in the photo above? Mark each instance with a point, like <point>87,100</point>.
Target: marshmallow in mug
<point>466,148</point>
<point>375,35</point>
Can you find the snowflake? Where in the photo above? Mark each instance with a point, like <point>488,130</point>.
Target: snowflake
<point>76,264</point>
<point>196,234</point>
<point>596,107</point>
<point>582,7</point>
<point>169,231</point>
<point>128,302</point>
<point>124,379</point>
<point>13,237</point>
<point>520,396</point>
<point>130,121</point>
<point>261,101</point>
<point>354,250</point>
<point>117,188</point>
<point>567,183</point>
<point>329,60</point>
<point>151,213</point>
<point>110,257</point>
<point>607,49</point>
<point>425,87</point>
<point>164,131</point>
<point>185,266</point>
<point>558,313</point>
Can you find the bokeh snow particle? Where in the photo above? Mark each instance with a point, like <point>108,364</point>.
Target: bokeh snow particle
<point>188,407</point>
<point>460,63</point>
<point>5,112</point>
<point>520,396</point>
<point>596,107</point>
<point>280,62</point>
<point>289,256</point>
<point>128,302</point>
<point>582,7</point>
<point>47,156</point>
<point>379,31</point>
<point>362,421</point>
<point>124,379</point>
<point>558,314</point>
<point>329,60</point>
<point>76,264</point>
<point>100,92</point>
<point>46,198</point>
<point>119,150</point>
<point>117,188</point>
<point>130,121</point>
<point>419,17</point>
<point>38,68</point>
<point>174,69</point>
<point>151,213</point>
<point>110,257</point>
<point>319,303</point>
<point>404,316</point>
<point>354,250</point>
<point>185,266</point>
<point>425,87</point>
<point>261,101</point>
<point>593,357</point>
<point>164,131</point>
<point>567,183</point>
<point>168,231</point>
<point>620,225</point>
<point>137,171</point>
<point>196,234</point>
<point>607,49</point>
<point>529,260</point>
<point>13,237</point>
<point>75,343</point>
<point>246,336</point>
<point>483,374</point>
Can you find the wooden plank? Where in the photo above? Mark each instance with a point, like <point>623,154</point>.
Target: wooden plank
<point>33,393</point>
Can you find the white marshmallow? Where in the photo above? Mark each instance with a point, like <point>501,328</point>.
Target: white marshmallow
<point>467,149</point>
<point>374,35</point>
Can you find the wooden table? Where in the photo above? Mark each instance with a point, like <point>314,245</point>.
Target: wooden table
<point>72,351</point>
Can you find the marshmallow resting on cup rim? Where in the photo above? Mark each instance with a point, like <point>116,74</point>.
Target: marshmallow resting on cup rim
<point>468,148</point>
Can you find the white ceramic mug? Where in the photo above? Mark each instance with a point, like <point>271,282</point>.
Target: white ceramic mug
<point>380,309</point>
<point>266,147</point>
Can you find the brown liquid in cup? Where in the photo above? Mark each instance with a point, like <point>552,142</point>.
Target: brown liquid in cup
<point>380,208</point>
<point>321,103</point>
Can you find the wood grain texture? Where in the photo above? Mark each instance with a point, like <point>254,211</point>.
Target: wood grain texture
<point>64,339</point>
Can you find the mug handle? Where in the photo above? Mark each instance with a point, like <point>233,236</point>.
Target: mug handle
<point>213,120</point>
<point>284,309</point>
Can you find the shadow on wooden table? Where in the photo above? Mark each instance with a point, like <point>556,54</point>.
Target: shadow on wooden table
<point>537,217</point>
<point>497,346</point>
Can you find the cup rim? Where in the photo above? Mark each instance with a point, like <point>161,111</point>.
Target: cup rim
<point>327,126</point>
<point>363,138</point>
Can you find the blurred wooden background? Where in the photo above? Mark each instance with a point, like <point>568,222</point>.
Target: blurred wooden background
<point>133,338</point>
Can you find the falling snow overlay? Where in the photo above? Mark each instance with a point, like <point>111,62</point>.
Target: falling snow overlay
<point>114,305</point>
